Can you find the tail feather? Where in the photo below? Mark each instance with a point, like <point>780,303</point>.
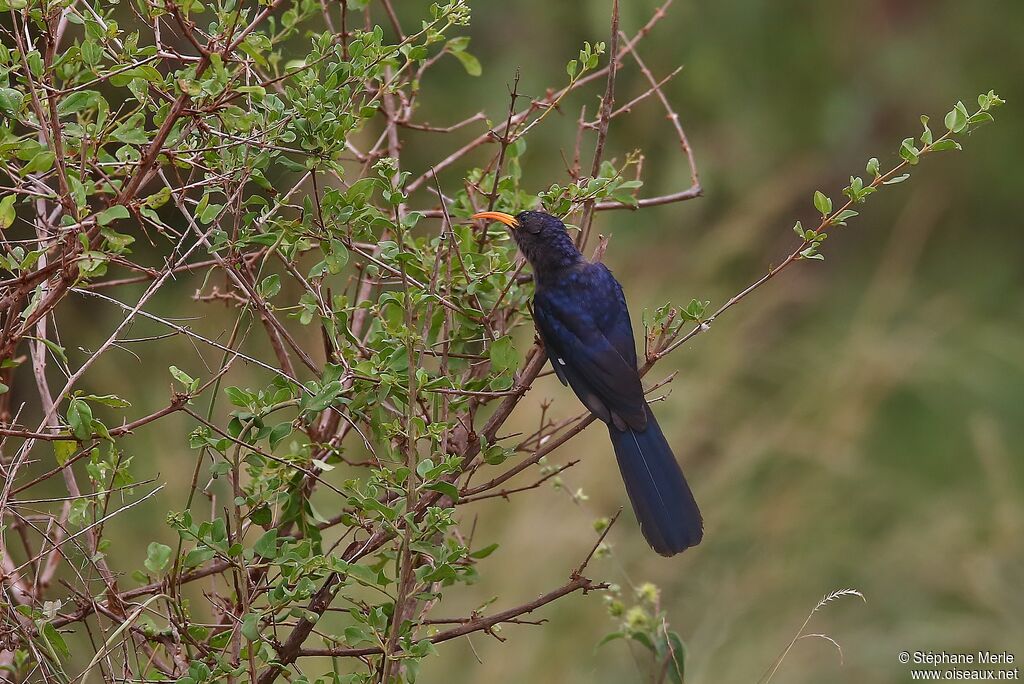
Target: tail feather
<point>663,503</point>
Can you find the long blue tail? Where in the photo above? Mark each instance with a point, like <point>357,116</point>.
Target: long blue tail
<point>668,515</point>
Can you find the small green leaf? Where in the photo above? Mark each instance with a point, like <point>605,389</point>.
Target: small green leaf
<point>209,213</point>
<point>845,214</point>
<point>457,44</point>
<point>503,355</point>
<point>261,516</point>
<point>10,101</point>
<point>118,211</point>
<point>198,556</point>
<point>7,213</point>
<point>238,396</point>
<point>470,63</point>
<point>872,167</point>
<point>270,286</point>
<point>445,488</point>
<point>822,203</point>
<point>77,101</point>
<point>80,419</point>
<point>279,433</point>
<point>56,641</point>
<point>897,179</point>
<point>184,378</point>
<point>612,636</point>
<point>111,400</point>
<point>676,658</point>
<point>251,627</point>
<point>484,552</point>
<point>979,118</point>
<point>337,257</point>
<point>908,152</point>
<point>40,163</point>
<point>956,119</point>
<point>63,450</point>
<point>157,556</point>
<point>266,545</point>
<point>424,467</point>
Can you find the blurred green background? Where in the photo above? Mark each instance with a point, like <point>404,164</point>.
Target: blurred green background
<point>855,423</point>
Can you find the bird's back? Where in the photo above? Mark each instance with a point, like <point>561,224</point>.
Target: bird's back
<point>591,290</point>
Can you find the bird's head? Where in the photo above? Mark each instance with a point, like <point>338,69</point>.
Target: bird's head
<point>542,238</point>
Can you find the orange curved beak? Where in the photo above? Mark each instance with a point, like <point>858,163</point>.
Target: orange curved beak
<point>508,219</point>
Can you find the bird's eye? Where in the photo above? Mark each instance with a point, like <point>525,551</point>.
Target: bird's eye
<point>532,227</point>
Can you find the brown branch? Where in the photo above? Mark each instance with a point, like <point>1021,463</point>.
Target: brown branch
<point>481,624</point>
<point>604,119</point>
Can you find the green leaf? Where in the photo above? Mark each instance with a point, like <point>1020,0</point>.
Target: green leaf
<point>676,658</point>
<point>40,163</point>
<point>118,211</point>
<point>926,135</point>
<point>908,152</point>
<point>198,556</point>
<point>470,63</point>
<point>145,72</point>
<point>897,179</point>
<point>612,636</point>
<point>132,131</point>
<point>845,214</point>
<point>279,433</point>
<point>496,454</point>
<point>323,398</point>
<point>822,203</point>
<point>157,557</point>
<point>10,101</point>
<point>7,213</point>
<point>266,545</point>
<point>945,145</point>
<point>262,515</point>
<point>980,117</point>
<point>111,400</point>
<point>55,349</point>
<point>270,286</point>
<point>957,117</point>
<point>644,640</point>
<point>181,376</point>
<point>238,396</point>
<point>77,101</point>
<point>63,450</point>
<point>357,634</point>
<point>118,243</point>
<point>484,552</point>
<point>56,641</point>
<point>80,419</point>
<point>872,167</point>
<point>445,488</point>
<point>210,212</point>
<point>458,44</point>
<point>424,467</point>
<point>503,355</point>
<point>251,627</point>
<point>337,257</point>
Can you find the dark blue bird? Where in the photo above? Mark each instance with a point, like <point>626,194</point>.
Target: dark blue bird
<point>583,322</point>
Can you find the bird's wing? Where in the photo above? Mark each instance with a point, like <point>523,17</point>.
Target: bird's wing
<point>585,358</point>
<point>614,320</point>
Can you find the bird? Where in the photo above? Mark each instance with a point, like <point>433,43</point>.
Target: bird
<point>581,316</point>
